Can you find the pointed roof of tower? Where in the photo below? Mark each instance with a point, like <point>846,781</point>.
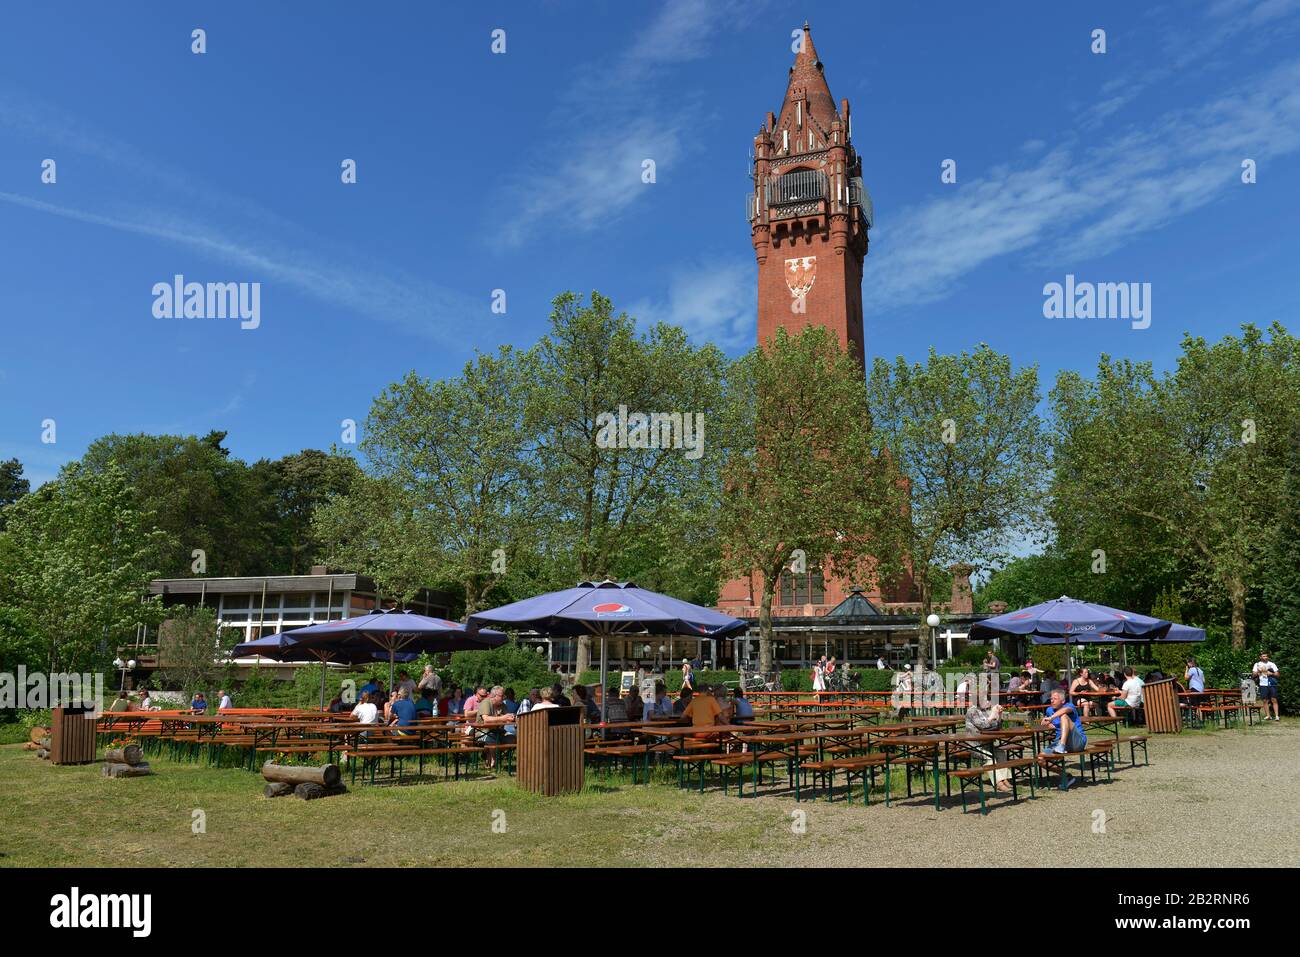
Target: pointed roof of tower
<point>808,82</point>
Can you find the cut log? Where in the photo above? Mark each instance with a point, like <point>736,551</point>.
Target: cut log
<point>126,770</point>
<point>31,746</point>
<point>327,775</point>
<point>43,753</point>
<point>44,742</point>
<point>275,789</point>
<point>310,791</point>
<point>37,733</point>
<point>131,754</point>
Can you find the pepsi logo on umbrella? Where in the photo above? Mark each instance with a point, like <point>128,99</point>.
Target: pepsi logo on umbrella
<point>611,609</point>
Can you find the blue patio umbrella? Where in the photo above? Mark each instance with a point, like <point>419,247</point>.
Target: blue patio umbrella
<point>283,647</point>
<point>392,632</point>
<point>608,609</point>
<point>1071,621</point>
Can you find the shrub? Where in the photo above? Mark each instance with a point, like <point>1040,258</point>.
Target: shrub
<point>512,665</point>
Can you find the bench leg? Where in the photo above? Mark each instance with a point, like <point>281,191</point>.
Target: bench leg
<point>984,809</point>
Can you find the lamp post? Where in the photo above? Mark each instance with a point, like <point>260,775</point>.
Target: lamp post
<point>933,622</point>
<point>124,667</point>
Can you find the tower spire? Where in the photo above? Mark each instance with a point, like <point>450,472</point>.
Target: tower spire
<point>809,108</point>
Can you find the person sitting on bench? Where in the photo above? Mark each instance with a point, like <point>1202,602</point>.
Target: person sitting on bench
<point>1062,716</point>
<point>1131,694</point>
<point>982,721</point>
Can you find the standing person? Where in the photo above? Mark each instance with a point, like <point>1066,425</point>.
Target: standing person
<point>880,663</point>
<point>405,682</point>
<point>991,662</point>
<point>688,676</point>
<point>1265,672</point>
<point>430,680</point>
<point>819,674</point>
<point>223,700</point>
<point>1194,676</point>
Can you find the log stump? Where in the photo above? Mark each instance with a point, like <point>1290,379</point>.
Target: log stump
<point>130,754</point>
<point>275,789</point>
<point>126,770</point>
<point>37,733</point>
<point>327,775</point>
<point>310,791</point>
<point>43,754</point>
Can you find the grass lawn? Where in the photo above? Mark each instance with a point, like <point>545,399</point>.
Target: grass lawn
<point>1202,799</point>
<point>74,816</point>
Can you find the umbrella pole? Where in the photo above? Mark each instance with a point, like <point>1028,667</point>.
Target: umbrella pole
<point>322,684</point>
<point>604,680</point>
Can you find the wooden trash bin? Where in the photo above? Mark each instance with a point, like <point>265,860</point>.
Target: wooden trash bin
<point>1160,701</point>
<point>72,736</point>
<point>550,750</point>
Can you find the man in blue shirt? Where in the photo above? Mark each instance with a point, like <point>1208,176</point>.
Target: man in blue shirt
<point>402,710</point>
<point>1062,716</point>
<point>744,711</point>
<point>370,686</point>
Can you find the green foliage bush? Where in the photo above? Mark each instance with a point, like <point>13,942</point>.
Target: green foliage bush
<point>511,665</point>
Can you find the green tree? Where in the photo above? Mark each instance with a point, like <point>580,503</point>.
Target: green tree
<point>192,650</point>
<point>291,489</point>
<point>459,456</point>
<point>200,498</point>
<point>614,509</point>
<point>965,432</point>
<point>78,557</point>
<point>12,486</point>
<point>810,485</point>
<point>1281,633</point>
<point>1183,468</point>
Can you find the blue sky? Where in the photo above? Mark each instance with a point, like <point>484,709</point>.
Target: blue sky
<point>521,171</point>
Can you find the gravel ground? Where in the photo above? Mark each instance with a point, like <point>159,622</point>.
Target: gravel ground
<point>1228,798</point>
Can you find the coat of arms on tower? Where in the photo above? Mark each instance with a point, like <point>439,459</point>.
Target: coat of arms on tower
<point>799,275</point>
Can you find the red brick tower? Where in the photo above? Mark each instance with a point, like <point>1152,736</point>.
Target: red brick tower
<point>809,215</point>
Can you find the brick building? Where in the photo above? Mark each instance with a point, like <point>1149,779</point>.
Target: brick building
<point>809,216</point>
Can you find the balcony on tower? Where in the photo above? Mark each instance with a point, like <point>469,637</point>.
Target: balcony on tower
<point>802,192</point>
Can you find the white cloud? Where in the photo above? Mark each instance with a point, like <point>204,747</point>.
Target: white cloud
<point>714,302</point>
<point>1087,197</point>
<point>419,308</point>
<point>608,122</point>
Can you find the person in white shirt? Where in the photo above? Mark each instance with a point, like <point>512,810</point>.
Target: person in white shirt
<point>224,702</point>
<point>366,712</point>
<point>1265,673</point>
<point>880,664</point>
<point>546,702</point>
<point>405,683</point>
<point>1130,694</point>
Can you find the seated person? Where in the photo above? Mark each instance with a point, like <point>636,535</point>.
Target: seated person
<point>663,705</point>
<point>200,703</point>
<point>491,720</point>
<point>703,710</point>
<point>742,710</point>
<point>401,710</point>
<point>1020,682</point>
<point>427,706</point>
<point>1130,694</point>
<point>1083,682</point>
<point>584,699</point>
<point>121,703</point>
<point>336,704</point>
<point>683,700</point>
<point>1062,716</point>
<point>635,707</point>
